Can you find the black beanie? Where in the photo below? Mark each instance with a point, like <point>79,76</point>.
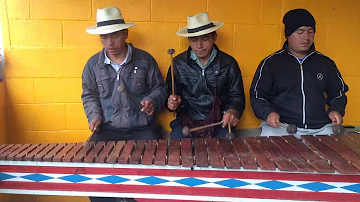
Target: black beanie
<point>297,18</point>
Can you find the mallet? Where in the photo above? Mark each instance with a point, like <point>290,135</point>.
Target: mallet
<point>338,130</point>
<point>186,130</point>
<point>291,128</point>
<point>171,52</point>
<point>122,88</point>
<point>230,135</point>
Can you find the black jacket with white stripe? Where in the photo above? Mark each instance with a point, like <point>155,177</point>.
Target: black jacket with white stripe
<point>298,90</point>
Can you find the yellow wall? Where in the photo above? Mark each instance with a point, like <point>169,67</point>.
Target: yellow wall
<point>46,47</point>
<point>3,32</point>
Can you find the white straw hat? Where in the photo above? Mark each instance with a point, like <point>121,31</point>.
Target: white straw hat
<point>109,20</point>
<point>198,25</point>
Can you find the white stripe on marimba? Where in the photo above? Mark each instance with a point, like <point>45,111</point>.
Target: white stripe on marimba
<point>136,195</point>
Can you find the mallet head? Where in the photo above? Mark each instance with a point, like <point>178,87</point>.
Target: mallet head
<point>171,51</point>
<point>291,129</point>
<point>230,136</point>
<point>121,88</point>
<point>338,130</point>
<point>186,131</point>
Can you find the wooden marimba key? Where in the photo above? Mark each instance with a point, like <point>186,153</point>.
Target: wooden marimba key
<point>321,159</point>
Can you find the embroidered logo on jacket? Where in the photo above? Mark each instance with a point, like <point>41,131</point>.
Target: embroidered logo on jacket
<point>320,76</point>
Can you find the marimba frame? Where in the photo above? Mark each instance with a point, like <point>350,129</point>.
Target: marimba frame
<point>172,174</point>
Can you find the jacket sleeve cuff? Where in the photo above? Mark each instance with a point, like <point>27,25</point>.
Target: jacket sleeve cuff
<point>156,105</point>
<point>94,116</point>
<point>237,112</point>
<point>267,112</point>
<point>338,109</point>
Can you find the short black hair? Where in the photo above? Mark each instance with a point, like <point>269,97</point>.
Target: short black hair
<point>213,33</point>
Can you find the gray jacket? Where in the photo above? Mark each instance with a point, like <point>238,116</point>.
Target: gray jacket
<point>142,80</point>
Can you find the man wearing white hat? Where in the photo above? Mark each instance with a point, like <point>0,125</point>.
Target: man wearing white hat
<point>207,82</point>
<point>123,87</point>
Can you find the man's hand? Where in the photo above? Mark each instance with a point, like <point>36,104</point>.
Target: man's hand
<point>94,125</point>
<point>230,117</point>
<point>273,120</point>
<point>147,107</point>
<point>335,118</point>
<point>174,102</point>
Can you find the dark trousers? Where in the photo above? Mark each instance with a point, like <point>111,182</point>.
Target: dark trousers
<point>109,133</point>
<point>176,132</point>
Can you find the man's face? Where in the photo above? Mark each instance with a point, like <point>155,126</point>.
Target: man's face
<point>114,43</point>
<point>202,45</point>
<point>301,40</point>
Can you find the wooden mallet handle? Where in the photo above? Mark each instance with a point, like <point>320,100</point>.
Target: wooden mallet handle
<point>186,131</point>
<point>205,126</point>
<point>171,52</point>
<point>122,88</point>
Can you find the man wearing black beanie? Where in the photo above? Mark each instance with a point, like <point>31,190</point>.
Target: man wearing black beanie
<point>289,86</point>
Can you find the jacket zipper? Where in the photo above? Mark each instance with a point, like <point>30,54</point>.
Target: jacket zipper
<point>302,85</point>
<point>303,92</point>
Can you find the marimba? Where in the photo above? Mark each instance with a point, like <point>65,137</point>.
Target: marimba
<point>318,168</point>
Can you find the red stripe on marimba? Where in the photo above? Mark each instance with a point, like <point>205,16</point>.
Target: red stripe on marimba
<point>185,173</point>
<point>173,190</point>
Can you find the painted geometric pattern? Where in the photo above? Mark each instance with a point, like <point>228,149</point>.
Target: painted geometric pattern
<point>307,186</point>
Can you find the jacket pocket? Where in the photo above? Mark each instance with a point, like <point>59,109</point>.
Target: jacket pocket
<point>141,120</point>
<point>103,86</point>
<point>189,79</point>
<point>138,80</point>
